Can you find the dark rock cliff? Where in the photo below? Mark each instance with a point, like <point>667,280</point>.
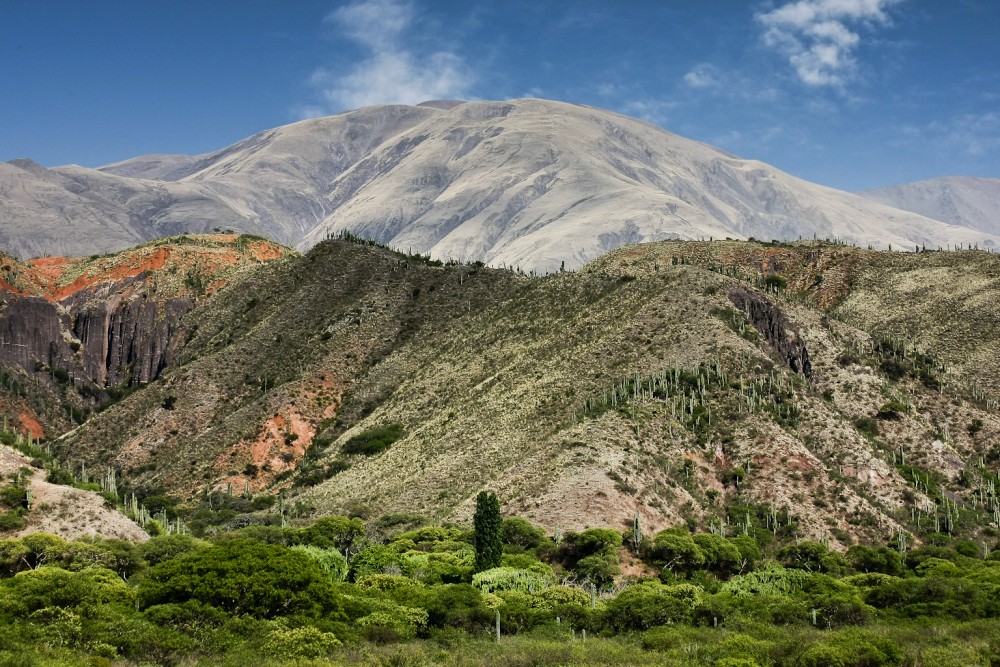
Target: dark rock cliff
<point>31,335</point>
<point>112,335</point>
<point>127,338</point>
<point>772,324</point>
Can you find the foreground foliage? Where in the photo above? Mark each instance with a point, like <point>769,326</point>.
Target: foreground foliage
<point>332,593</point>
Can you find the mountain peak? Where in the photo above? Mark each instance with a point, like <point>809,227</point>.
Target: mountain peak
<point>529,182</point>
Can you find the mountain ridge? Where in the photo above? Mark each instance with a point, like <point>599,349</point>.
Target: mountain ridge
<point>529,183</point>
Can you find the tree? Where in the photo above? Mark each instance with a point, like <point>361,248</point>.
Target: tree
<point>487,522</point>
<point>243,577</point>
<point>677,553</point>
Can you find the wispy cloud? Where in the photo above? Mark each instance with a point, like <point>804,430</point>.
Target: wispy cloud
<point>395,70</point>
<point>702,76</point>
<point>974,135</point>
<point>651,110</point>
<point>820,37</point>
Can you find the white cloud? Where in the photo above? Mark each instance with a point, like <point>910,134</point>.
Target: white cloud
<point>394,71</point>
<point>702,76</point>
<point>820,37</point>
<point>650,110</point>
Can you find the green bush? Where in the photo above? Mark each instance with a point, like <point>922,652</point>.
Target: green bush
<point>244,577</point>
<point>866,426</point>
<point>875,559</point>
<point>515,531</point>
<point>12,520</point>
<point>303,642</point>
<point>851,648</point>
<point>676,552</point>
<point>329,560</point>
<point>375,559</point>
<point>331,532</point>
<point>650,604</point>
<point>598,570</point>
<point>13,497</point>
<point>165,547</point>
<point>374,440</point>
<point>892,410</point>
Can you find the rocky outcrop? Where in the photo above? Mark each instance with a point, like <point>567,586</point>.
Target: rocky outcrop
<point>32,335</point>
<point>113,335</point>
<point>772,324</point>
<point>126,337</point>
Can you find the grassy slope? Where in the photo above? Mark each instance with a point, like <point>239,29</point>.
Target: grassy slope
<point>491,375</point>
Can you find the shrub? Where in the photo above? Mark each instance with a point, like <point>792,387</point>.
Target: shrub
<point>244,577</point>
<point>598,570</point>
<point>515,531</point>
<point>509,579</point>
<point>329,560</point>
<point>812,557</point>
<point>12,520</point>
<point>892,410</point>
<point>331,532</point>
<point>721,555</point>
<point>296,643</point>
<point>458,606</point>
<point>13,497</point>
<point>894,370</point>
<point>676,552</point>
<point>866,426</point>
<point>850,648</point>
<point>375,559</point>
<point>650,604</point>
<point>875,559</point>
<point>374,440</point>
<point>776,281</point>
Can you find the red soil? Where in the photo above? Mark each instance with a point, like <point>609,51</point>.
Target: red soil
<point>31,425</point>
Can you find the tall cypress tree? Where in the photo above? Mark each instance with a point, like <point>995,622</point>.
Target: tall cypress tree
<point>486,522</point>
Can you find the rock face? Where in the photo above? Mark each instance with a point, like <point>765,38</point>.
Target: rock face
<point>126,339</point>
<point>529,183</point>
<point>92,324</point>
<point>32,331</point>
<point>772,324</point>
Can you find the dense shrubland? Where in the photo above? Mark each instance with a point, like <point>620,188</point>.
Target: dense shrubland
<point>342,591</point>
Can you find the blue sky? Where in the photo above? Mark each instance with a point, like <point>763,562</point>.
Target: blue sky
<point>848,93</point>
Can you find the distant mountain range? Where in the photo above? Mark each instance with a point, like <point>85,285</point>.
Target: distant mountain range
<point>529,183</point>
<point>957,200</point>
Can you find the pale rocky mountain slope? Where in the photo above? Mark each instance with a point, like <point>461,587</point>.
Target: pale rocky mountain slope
<point>529,183</point>
<point>957,200</point>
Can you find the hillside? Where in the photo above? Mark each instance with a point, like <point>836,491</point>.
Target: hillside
<point>529,183</point>
<point>716,383</point>
<point>59,509</point>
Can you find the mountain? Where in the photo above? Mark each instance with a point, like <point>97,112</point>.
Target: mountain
<point>852,393</point>
<point>528,183</point>
<point>958,200</point>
